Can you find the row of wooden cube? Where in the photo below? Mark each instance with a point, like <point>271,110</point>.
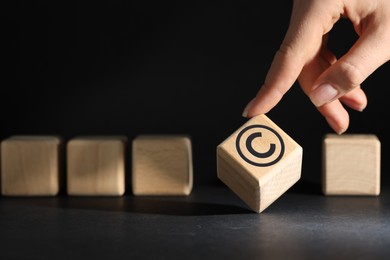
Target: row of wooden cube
<point>96,165</point>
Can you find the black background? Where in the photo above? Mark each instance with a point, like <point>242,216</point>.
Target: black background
<point>167,67</point>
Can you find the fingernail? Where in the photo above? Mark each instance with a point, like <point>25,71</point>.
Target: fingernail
<point>246,110</point>
<point>323,94</point>
<point>361,109</point>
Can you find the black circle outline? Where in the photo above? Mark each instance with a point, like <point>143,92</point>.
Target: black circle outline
<point>254,163</point>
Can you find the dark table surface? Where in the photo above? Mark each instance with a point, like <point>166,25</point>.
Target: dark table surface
<point>211,223</point>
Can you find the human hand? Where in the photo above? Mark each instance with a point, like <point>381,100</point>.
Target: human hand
<point>329,82</point>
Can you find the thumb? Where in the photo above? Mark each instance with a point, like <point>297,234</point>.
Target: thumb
<point>365,56</point>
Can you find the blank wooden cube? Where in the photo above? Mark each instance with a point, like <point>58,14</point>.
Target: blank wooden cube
<point>162,165</point>
<point>30,165</point>
<point>351,164</point>
<point>259,162</point>
<point>96,166</point>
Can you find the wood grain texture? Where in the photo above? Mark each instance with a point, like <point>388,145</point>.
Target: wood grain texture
<point>30,165</point>
<point>351,164</point>
<point>162,165</point>
<point>96,166</point>
<point>259,162</point>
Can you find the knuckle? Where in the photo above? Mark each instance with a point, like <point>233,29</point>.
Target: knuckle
<point>351,75</point>
<point>285,50</point>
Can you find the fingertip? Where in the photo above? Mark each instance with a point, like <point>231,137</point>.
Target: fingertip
<point>355,106</point>
<point>255,107</point>
<point>265,100</point>
<point>245,114</point>
<point>356,99</point>
<point>247,108</point>
<point>336,116</point>
<point>339,126</point>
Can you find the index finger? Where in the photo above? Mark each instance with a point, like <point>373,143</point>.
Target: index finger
<point>301,43</point>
